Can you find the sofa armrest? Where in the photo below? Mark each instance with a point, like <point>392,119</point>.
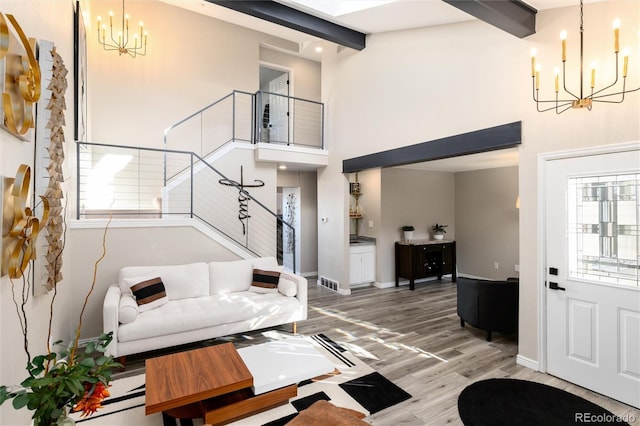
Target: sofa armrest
<point>110,317</point>
<point>301,294</point>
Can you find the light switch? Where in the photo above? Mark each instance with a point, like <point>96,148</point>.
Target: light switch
<point>370,224</point>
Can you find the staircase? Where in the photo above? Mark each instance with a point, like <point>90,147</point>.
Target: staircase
<point>214,168</point>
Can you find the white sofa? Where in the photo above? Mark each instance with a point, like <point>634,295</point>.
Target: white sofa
<point>203,301</point>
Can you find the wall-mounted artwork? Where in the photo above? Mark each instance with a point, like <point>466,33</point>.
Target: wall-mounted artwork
<point>20,79</point>
<point>6,207</point>
<point>243,200</point>
<point>49,159</point>
<point>20,228</point>
<point>80,73</point>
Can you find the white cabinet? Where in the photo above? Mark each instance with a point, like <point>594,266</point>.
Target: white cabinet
<point>362,264</point>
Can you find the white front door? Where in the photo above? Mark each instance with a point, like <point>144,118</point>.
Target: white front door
<point>592,276</point>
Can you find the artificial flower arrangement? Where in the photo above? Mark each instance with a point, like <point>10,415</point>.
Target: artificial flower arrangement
<point>75,378</point>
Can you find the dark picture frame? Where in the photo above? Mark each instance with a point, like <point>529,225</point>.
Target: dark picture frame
<point>80,75</point>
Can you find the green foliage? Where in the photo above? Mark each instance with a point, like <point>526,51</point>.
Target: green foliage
<point>408,228</point>
<point>57,382</point>
<point>437,228</point>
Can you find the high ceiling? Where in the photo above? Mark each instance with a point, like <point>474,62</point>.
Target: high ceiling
<point>383,16</point>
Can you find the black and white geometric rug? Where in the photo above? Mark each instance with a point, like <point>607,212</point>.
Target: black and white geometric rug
<point>357,386</point>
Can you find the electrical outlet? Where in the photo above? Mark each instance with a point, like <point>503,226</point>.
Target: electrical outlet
<point>517,268</point>
<point>370,224</point>
<point>495,265</point>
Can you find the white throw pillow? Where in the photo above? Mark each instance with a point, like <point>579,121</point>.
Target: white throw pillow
<point>128,309</point>
<point>287,287</point>
<point>180,281</point>
<point>230,276</point>
<point>148,291</point>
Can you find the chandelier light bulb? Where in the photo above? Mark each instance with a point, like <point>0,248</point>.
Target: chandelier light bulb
<point>616,24</point>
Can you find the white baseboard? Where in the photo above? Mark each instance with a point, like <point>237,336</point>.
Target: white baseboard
<point>526,362</point>
<point>344,291</point>
<point>309,274</point>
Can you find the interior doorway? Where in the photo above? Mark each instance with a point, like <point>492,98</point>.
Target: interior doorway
<point>275,83</point>
<point>289,229</point>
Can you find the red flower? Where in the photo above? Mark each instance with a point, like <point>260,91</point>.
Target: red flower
<point>92,398</point>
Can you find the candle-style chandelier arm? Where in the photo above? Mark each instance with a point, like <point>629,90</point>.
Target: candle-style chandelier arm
<point>564,81</point>
<point>623,92</point>
<point>611,85</point>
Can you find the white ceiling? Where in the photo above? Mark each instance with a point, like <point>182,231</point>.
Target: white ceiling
<point>387,16</point>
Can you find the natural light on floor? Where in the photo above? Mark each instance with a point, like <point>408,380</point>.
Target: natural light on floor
<point>357,350</point>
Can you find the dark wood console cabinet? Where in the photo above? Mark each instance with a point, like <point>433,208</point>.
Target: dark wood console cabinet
<point>425,258</point>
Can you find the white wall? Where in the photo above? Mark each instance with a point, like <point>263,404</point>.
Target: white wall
<point>128,244</point>
<point>192,60</point>
<point>419,85</point>
<point>413,197</point>
<point>487,222</point>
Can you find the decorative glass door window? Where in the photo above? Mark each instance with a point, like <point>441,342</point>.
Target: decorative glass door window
<point>604,228</point>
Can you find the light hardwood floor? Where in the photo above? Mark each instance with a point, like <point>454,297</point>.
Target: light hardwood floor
<point>414,339</point>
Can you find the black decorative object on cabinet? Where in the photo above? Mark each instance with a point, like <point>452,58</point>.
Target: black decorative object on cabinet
<point>424,258</point>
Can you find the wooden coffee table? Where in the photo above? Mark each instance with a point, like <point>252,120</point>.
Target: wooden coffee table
<point>212,383</point>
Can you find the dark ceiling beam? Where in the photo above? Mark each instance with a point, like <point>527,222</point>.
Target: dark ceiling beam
<point>485,140</point>
<point>292,18</point>
<point>513,16</point>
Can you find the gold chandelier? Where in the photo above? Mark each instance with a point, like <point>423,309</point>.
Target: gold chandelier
<point>608,94</point>
<point>120,41</point>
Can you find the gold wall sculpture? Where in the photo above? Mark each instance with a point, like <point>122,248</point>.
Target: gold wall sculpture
<point>20,228</point>
<point>20,81</point>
